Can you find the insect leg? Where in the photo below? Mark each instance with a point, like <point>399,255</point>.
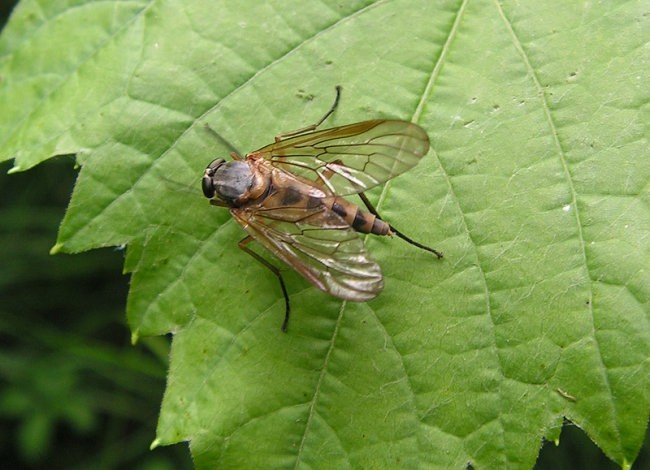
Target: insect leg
<point>372,210</point>
<point>312,127</point>
<point>274,270</point>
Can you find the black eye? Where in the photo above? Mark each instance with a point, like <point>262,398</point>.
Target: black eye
<point>208,183</point>
<point>208,186</point>
<point>216,163</point>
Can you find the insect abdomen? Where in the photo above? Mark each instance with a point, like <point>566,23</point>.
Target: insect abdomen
<point>360,220</point>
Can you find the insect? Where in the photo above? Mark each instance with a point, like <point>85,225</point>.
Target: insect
<point>288,197</point>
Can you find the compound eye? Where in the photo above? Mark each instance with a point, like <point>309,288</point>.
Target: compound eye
<point>208,187</point>
<point>208,183</point>
<point>214,164</point>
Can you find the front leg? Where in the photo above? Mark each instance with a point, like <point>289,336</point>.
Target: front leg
<point>243,245</point>
<point>218,203</point>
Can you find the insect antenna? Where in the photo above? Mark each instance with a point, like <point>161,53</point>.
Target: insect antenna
<point>373,211</point>
<point>178,187</point>
<point>231,147</point>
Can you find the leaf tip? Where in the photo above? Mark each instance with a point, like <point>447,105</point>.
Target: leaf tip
<point>14,169</point>
<point>135,337</point>
<point>154,444</point>
<point>56,249</point>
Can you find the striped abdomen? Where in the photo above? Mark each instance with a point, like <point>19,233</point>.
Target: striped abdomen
<point>287,192</point>
<point>360,220</point>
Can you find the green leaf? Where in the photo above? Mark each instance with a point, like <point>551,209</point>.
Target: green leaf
<point>536,190</point>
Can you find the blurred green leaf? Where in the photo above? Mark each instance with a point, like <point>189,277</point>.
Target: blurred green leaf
<point>69,377</point>
<point>537,192</point>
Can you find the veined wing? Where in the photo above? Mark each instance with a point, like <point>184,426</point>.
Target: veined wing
<point>353,158</point>
<point>318,244</point>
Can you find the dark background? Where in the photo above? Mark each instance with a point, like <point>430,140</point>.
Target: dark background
<point>74,392</point>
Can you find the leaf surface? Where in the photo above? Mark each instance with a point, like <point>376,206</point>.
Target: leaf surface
<point>536,189</point>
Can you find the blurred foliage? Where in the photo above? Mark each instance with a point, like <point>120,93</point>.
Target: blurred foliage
<point>69,377</point>
<point>577,452</point>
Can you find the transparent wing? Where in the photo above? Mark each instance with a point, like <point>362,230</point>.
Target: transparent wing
<point>353,158</point>
<point>318,244</point>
